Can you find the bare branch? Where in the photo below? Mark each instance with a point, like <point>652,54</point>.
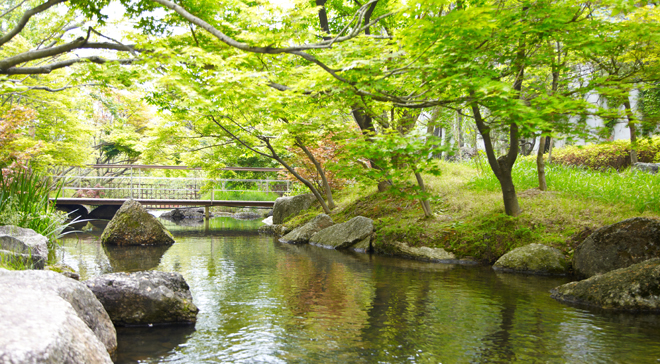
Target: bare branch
<point>26,17</point>
<point>53,66</point>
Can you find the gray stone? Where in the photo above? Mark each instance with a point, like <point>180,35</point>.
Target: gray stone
<point>133,225</point>
<point>23,245</point>
<point>534,259</point>
<point>618,246</point>
<point>302,234</point>
<point>402,250</point>
<point>44,328</point>
<point>290,206</point>
<point>64,270</point>
<point>246,215</point>
<point>85,305</point>
<point>145,298</point>
<point>647,167</point>
<point>342,236</point>
<point>186,213</point>
<point>635,288</point>
<point>277,230</point>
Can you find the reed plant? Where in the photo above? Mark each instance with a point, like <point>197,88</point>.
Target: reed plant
<point>24,202</point>
<point>638,189</point>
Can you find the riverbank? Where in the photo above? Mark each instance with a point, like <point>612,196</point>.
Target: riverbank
<point>469,216</point>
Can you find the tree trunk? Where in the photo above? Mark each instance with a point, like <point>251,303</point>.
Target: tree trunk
<point>633,131</point>
<point>501,166</point>
<point>540,164</point>
<point>426,206</point>
<point>365,122</point>
<point>552,143</point>
<point>321,172</point>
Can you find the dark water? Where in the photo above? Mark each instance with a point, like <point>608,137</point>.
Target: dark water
<point>262,301</point>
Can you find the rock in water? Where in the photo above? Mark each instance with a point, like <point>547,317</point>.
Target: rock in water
<point>534,259</point>
<point>302,234</point>
<point>290,206</point>
<point>38,328</point>
<point>78,298</point>
<point>427,254</point>
<point>145,298</point>
<point>618,246</point>
<point>133,225</point>
<point>23,245</point>
<point>341,236</point>
<point>635,288</point>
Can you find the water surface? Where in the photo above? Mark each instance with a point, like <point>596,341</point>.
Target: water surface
<point>263,301</point>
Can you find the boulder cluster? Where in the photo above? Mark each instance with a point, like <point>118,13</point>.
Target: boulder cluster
<point>48,317</point>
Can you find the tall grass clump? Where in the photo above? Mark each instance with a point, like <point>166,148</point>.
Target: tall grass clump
<point>635,188</point>
<point>24,202</point>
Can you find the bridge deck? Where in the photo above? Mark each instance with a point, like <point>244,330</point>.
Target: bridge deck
<point>161,202</point>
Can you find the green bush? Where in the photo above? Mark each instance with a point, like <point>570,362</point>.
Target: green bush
<point>24,202</point>
<point>602,156</point>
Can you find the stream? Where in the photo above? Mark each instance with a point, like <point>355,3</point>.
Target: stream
<point>262,301</point>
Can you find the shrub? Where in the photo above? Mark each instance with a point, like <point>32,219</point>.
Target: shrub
<point>614,154</point>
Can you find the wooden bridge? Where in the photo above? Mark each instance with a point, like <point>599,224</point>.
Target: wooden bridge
<point>95,185</point>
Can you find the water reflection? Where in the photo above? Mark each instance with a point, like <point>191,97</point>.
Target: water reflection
<point>134,258</point>
<point>263,301</point>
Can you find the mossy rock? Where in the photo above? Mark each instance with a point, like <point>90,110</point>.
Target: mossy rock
<point>133,225</point>
<point>635,288</point>
<point>533,259</point>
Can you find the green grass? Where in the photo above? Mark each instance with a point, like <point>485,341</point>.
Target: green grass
<point>469,214</point>
<point>12,263</point>
<point>241,196</point>
<point>638,189</point>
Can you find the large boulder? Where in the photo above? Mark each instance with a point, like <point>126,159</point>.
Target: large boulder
<point>23,245</point>
<point>290,206</point>
<point>356,231</point>
<point>302,234</point>
<point>534,259</point>
<point>647,167</point>
<point>145,298</point>
<point>104,212</point>
<point>427,254</point>
<point>618,246</point>
<point>133,225</point>
<point>44,328</point>
<point>635,288</point>
<point>78,297</point>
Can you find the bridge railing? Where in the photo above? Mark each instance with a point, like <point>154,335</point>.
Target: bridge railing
<point>143,187</point>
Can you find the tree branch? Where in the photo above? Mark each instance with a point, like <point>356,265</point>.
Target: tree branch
<point>26,17</point>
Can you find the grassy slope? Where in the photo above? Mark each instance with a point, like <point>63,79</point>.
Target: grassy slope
<point>470,219</point>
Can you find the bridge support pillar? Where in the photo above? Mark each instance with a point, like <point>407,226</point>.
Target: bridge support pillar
<point>206,212</point>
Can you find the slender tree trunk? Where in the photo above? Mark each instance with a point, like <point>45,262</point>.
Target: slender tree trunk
<point>365,122</point>
<point>300,178</point>
<point>540,165</point>
<point>633,131</point>
<point>426,206</point>
<point>501,166</point>
<point>321,172</point>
